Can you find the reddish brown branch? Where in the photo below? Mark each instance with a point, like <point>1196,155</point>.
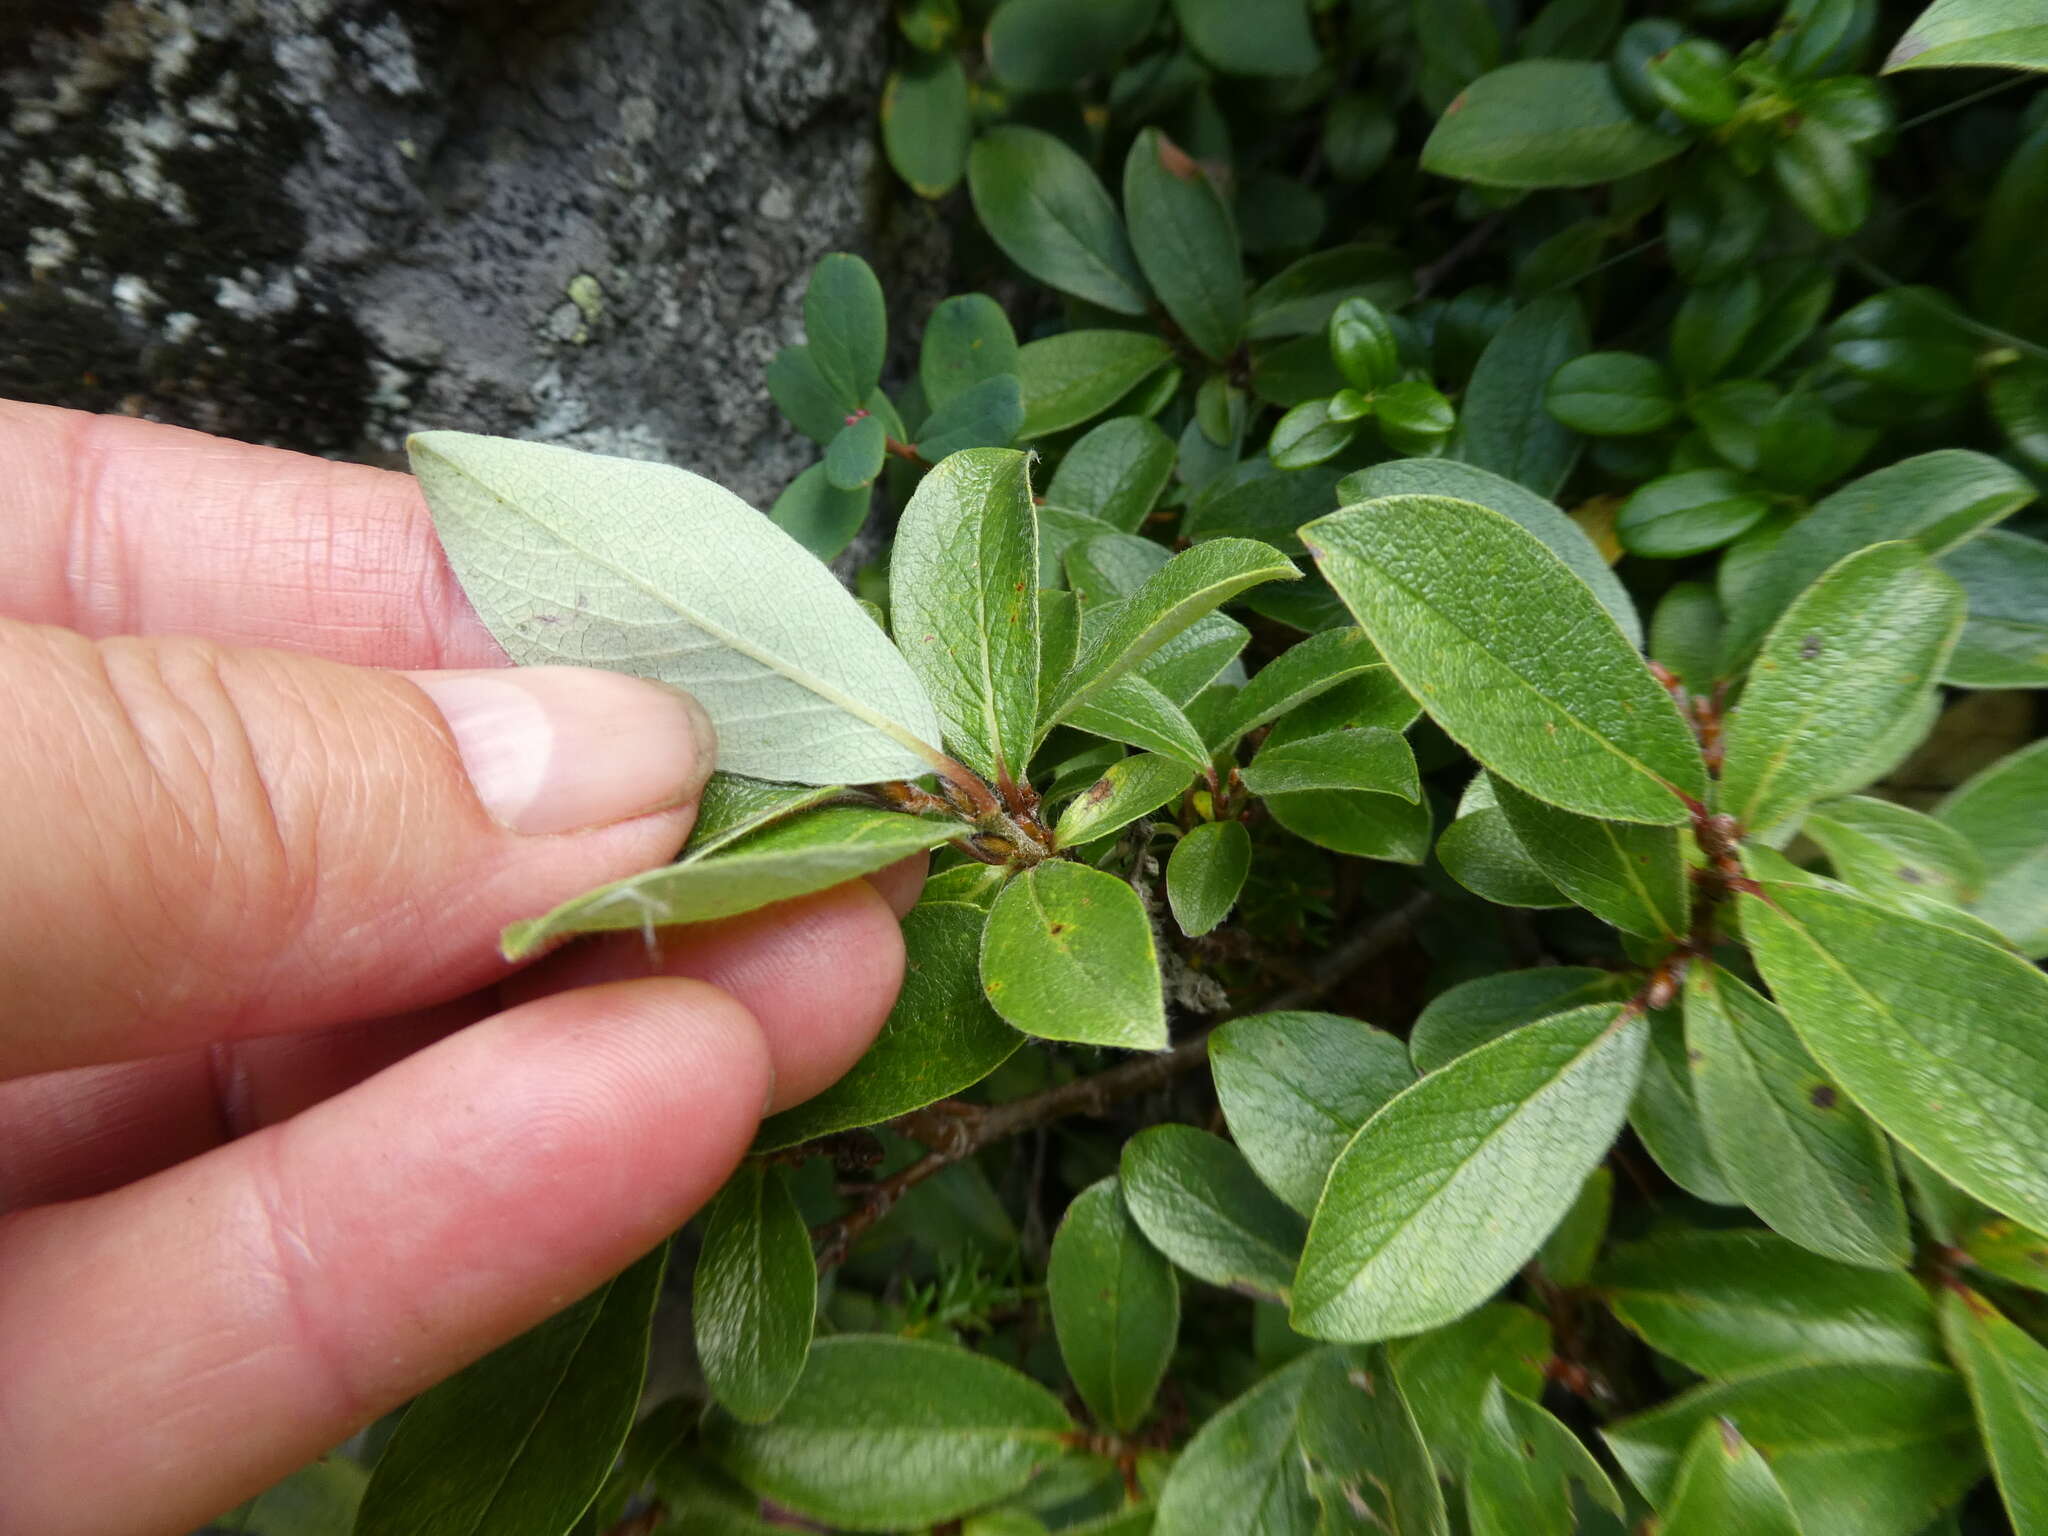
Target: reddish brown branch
<point>955,1131</point>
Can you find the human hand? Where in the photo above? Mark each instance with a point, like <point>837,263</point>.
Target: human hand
<point>281,1143</point>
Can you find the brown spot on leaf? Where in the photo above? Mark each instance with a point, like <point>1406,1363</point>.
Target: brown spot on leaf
<point>1056,928</point>
<point>1823,1096</point>
<point>1809,648</point>
<point>1911,875</point>
<point>1099,791</point>
<point>1176,161</point>
<point>1731,1437</point>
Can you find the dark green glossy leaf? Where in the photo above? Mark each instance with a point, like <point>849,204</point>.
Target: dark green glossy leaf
<point>1115,1306</point>
<point>519,1443</point>
<point>1369,758</point>
<point>1480,851</point>
<point>926,123</point>
<point>1296,675</point>
<point>1077,375</point>
<point>801,394</point>
<point>1295,1088</point>
<point>1198,1200</point>
<point>1048,45</point>
<point>1544,123</point>
<point>1666,1115</point>
<point>1273,40</point>
<point>1504,425</point>
<point>1612,394</point>
<point>2005,638</point>
<point>855,456</point>
<point>1364,1454</point>
<point>975,1430</point>
<point>940,1037</point>
<point>1185,241</point>
<point>1048,211</point>
<point>1689,513</point>
<point>1362,824</point>
<point>1300,301</point>
<point>755,1294</point>
<point>1242,1471</point>
<point>846,327</point>
<point>819,515</point>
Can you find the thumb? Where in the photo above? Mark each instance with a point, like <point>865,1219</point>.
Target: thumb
<point>201,842</point>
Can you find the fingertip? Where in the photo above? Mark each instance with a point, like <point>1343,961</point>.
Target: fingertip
<point>902,883</point>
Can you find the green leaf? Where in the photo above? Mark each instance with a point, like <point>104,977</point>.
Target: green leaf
<point>1666,1116</point>
<point>755,1294</point>
<point>2007,1373</point>
<point>846,327</point>
<point>963,597</point>
<point>801,394</point>
<point>1612,394</point>
<point>855,456</point>
<point>1115,1306</point>
<point>1567,1255</point>
<point>1194,582</point>
<point>1077,375</point>
<point>1824,176</point>
<point>1731,1303</point>
<point>1961,34</point>
<point>1936,1034</point>
<point>1790,1144</point>
<point>2005,639</point>
<point>1133,711</point>
<point>1461,1177</point>
<point>732,807</point>
<point>519,1443</point>
<point>1908,339</point>
<point>926,123</point>
<point>1723,1485</point>
<point>1414,417</point>
<point>1185,242</point>
<point>940,1038</point>
<point>2003,812</point>
<point>1296,675</point>
<point>975,1430</point>
<point>1504,426</point>
<point>1860,1450</point>
<point>1689,513</point>
<point>1370,758</point>
<point>320,1499</point>
<point>1480,851</point>
<point>1885,850</point>
<point>967,341</point>
<point>1470,1014</point>
<point>809,853</point>
<point>1571,29</point>
<point>1242,1471</point>
<point>1843,663</point>
<point>2004,1248</point>
<point>1467,482</point>
<point>1936,500</point>
<point>1363,343</point>
<point>1295,1088</point>
<point>1624,873</point>
<point>1696,81</point>
<point>1363,824</point>
<point>1510,653</point>
<point>1115,472</point>
<point>1307,436</point>
<point>1367,1464</point>
<point>1047,45</point>
<point>1129,788</point>
<point>1273,40</point>
<point>1198,1200</point>
<point>581,560</point>
<point>819,515</point>
<point>1068,956</point>
<point>1302,298</point>
<point>1521,1466</point>
<point>1048,212</point>
<point>1205,872</point>
<point>1447,1372</point>
<point>1544,123</point>
<point>986,415</point>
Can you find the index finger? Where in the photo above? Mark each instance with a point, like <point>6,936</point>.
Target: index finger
<point>114,526</point>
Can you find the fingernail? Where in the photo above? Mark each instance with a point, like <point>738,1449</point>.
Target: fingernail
<point>559,749</point>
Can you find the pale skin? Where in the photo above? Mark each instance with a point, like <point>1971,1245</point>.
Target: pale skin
<point>282,1140</point>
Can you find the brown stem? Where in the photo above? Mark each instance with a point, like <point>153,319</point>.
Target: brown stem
<point>1426,278</point>
<point>905,452</point>
<point>964,1129</point>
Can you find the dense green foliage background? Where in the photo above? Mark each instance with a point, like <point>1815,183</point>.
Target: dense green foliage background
<point>1674,1151</point>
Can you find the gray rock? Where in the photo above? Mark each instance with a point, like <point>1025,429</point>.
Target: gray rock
<point>323,223</point>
